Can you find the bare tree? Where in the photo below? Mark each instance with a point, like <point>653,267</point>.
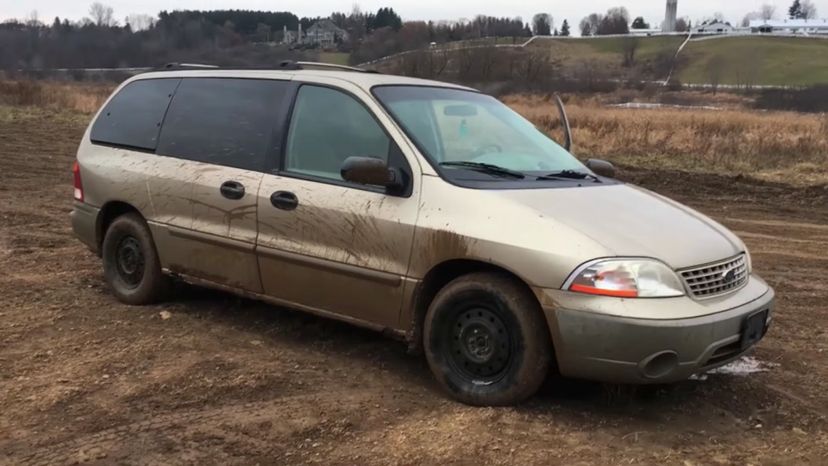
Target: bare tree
<point>752,16</point>
<point>590,24</point>
<point>542,24</point>
<point>808,9</point>
<point>616,21</point>
<point>33,20</point>
<point>767,11</point>
<point>102,15</point>
<point>628,48</point>
<point>139,22</point>
<point>437,62</point>
<point>715,72</point>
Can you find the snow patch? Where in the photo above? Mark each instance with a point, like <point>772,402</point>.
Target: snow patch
<point>647,105</point>
<point>743,366</point>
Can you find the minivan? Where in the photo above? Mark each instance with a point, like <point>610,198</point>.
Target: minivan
<point>428,211</point>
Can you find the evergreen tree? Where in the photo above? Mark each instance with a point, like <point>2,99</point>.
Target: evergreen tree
<point>795,11</point>
<point>639,23</point>
<point>387,17</point>
<point>565,29</point>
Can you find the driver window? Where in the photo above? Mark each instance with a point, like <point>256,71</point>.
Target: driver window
<point>327,127</point>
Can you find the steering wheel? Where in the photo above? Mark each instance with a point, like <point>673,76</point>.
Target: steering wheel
<point>487,149</point>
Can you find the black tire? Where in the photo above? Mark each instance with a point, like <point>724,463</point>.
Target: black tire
<point>486,340</point>
<point>131,264</point>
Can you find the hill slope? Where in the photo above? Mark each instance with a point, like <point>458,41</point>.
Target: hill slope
<point>772,61</point>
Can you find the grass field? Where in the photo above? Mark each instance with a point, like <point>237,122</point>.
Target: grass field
<point>605,54</point>
<point>771,61</point>
<point>337,58</point>
<point>780,61</point>
<point>612,47</point>
<point>779,146</point>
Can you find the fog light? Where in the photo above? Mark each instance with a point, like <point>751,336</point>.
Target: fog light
<point>660,364</point>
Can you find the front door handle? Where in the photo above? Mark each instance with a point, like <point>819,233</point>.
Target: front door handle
<point>232,190</point>
<point>284,200</point>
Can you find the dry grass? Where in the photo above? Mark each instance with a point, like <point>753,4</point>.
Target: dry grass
<point>781,146</point>
<point>84,98</point>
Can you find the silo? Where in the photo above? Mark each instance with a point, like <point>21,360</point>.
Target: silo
<point>670,17</point>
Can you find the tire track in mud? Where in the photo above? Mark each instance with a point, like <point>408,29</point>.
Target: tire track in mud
<point>233,404</point>
<point>105,442</point>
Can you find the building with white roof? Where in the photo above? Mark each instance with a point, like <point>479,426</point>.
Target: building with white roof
<point>790,26</point>
<point>714,27</point>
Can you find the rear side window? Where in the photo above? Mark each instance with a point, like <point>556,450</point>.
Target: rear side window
<point>227,122</point>
<point>133,117</point>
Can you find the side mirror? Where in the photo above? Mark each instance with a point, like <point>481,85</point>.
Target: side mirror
<point>601,167</point>
<point>370,171</point>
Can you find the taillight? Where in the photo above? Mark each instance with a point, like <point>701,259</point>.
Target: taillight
<point>78,184</point>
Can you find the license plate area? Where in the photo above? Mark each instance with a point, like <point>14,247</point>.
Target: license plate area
<point>754,328</point>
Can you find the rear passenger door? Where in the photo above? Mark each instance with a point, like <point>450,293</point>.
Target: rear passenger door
<point>222,132</point>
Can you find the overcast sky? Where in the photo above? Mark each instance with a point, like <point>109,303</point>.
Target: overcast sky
<point>652,10</point>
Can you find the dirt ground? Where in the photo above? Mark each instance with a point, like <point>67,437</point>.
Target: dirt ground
<point>224,380</point>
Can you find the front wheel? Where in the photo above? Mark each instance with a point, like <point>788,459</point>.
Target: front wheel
<point>131,264</point>
<point>486,340</point>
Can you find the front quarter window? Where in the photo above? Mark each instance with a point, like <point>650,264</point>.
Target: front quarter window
<point>453,125</point>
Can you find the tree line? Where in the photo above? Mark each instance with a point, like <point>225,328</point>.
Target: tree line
<point>233,37</point>
<point>100,40</point>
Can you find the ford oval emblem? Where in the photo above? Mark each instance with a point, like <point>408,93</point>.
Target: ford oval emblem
<point>729,276</point>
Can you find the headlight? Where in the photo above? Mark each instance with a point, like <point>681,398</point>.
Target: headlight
<point>626,278</point>
<point>749,261</point>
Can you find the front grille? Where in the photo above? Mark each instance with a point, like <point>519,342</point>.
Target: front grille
<point>716,279</point>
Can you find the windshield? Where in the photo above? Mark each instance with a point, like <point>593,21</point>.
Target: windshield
<point>452,125</point>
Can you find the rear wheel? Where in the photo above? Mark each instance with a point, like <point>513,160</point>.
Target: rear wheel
<point>131,264</point>
<point>486,340</point>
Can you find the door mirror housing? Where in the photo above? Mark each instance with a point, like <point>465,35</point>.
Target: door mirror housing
<point>371,171</point>
<point>601,167</point>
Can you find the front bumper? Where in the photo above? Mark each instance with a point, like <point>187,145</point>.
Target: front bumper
<point>619,340</point>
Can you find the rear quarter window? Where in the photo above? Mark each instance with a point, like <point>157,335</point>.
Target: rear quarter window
<point>133,117</point>
<point>223,121</point>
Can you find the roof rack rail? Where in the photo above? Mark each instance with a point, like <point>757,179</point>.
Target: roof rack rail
<point>187,66</point>
<point>331,66</point>
<point>283,65</point>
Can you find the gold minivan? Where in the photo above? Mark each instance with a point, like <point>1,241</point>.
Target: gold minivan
<point>422,209</point>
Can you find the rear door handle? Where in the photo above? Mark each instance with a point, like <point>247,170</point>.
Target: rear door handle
<point>284,200</point>
<point>232,190</point>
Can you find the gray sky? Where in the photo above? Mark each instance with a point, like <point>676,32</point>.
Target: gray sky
<point>652,10</point>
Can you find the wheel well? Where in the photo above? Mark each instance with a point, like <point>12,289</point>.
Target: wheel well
<point>435,280</point>
<point>109,212</point>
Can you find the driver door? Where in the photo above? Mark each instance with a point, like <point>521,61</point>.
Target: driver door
<point>324,243</point>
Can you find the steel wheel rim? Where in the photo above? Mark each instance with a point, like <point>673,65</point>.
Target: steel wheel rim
<point>129,261</point>
<point>479,345</point>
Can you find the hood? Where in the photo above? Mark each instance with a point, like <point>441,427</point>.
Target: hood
<point>633,222</point>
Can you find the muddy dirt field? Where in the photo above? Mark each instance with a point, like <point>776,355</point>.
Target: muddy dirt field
<point>213,379</point>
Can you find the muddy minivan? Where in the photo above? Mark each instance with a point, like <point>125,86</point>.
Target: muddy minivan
<point>422,209</point>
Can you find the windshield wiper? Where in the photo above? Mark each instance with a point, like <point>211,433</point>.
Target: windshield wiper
<point>486,168</point>
<point>570,175</point>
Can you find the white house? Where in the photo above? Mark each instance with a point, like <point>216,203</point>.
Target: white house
<point>714,27</point>
<point>789,26</point>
